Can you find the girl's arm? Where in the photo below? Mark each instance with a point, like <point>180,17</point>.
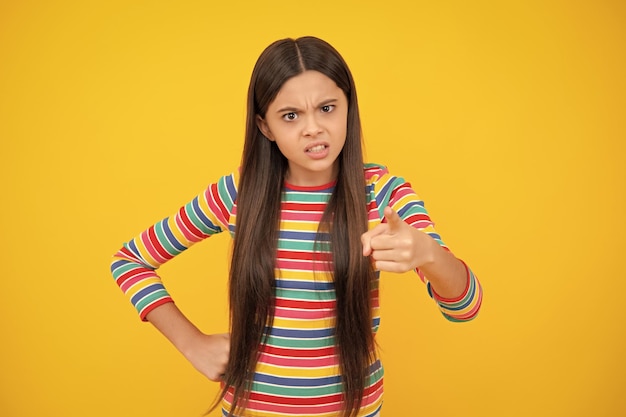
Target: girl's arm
<point>135,265</point>
<point>406,239</point>
<point>395,246</point>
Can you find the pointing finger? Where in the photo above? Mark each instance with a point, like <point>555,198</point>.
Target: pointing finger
<point>393,219</point>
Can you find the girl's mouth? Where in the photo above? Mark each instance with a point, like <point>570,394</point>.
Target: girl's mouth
<point>317,149</point>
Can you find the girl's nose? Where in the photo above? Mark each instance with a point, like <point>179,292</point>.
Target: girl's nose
<point>312,127</point>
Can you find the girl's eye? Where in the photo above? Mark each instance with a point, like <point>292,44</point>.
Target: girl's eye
<point>290,116</point>
<point>328,108</point>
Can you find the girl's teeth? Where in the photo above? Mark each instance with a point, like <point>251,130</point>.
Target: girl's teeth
<point>317,148</point>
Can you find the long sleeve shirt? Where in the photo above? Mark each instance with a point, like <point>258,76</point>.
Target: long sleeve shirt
<point>297,373</point>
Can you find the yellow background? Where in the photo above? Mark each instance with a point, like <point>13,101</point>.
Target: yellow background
<point>507,117</point>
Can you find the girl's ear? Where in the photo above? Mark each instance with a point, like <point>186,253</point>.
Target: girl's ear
<point>264,128</point>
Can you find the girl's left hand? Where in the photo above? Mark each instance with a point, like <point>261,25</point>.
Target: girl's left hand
<point>396,246</point>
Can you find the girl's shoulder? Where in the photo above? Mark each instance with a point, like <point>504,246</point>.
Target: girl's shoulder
<point>374,172</point>
<point>379,180</point>
<point>224,190</point>
<point>230,181</point>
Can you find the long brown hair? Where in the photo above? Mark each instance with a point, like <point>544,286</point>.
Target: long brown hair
<point>263,167</point>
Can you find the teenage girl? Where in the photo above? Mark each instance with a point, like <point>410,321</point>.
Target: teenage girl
<point>312,227</point>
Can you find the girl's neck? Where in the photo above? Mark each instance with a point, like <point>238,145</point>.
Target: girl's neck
<point>312,179</point>
<point>319,187</point>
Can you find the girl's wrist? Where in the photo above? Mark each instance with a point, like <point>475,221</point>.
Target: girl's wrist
<point>189,342</point>
<point>428,252</point>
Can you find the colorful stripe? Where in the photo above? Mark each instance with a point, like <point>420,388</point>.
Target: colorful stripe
<point>298,369</point>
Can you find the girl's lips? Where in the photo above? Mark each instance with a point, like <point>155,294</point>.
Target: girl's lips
<point>315,147</point>
<point>317,150</point>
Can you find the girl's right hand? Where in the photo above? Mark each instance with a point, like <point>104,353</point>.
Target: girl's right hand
<point>209,354</point>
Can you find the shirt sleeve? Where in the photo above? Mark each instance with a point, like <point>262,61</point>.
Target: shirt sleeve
<point>134,266</point>
<point>388,190</point>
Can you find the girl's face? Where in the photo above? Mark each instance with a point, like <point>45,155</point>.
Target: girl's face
<point>308,121</point>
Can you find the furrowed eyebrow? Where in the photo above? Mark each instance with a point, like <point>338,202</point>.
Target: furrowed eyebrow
<point>327,102</point>
<point>287,109</point>
<point>295,109</point>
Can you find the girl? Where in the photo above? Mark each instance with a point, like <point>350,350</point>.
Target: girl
<point>312,227</point>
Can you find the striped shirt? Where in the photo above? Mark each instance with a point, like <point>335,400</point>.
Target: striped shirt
<point>297,373</point>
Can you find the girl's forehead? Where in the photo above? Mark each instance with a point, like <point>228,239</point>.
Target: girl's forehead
<point>308,85</point>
